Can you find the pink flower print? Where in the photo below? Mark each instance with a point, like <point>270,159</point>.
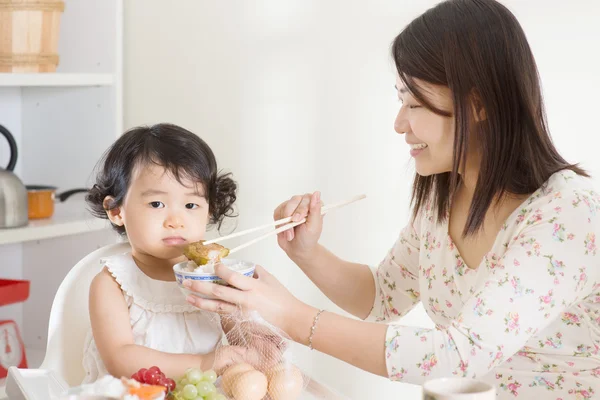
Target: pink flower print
<point>556,267</point>
<point>462,367</point>
<point>448,304</point>
<point>492,262</point>
<point>581,393</point>
<point>431,244</point>
<point>596,372</point>
<point>583,351</point>
<point>445,271</point>
<point>497,360</point>
<point>521,216</point>
<point>397,375</point>
<point>516,263</point>
<point>515,282</point>
<point>510,385</point>
<point>557,210</point>
<point>582,279</point>
<point>527,353</point>
<point>450,284</point>
<point>559,232</point>
<point>428,362</point>
<point>570,363</point>
<point>543,382</point>
<point>547,302</point>
<point>474,338</point>
<point>511,321</point>
<point>392,344</point>
<point>461,268</point>
<point>532,247</point>
<point>427,273</point>
<point>554,342</point>
<point>590,244</point>
<point>390,305</point>
<point>536,217</point>
<point>571,319</point>
<point>480,308</point>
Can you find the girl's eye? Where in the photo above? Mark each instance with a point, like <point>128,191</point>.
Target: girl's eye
<point>157,204</point>
<point>191,206</point>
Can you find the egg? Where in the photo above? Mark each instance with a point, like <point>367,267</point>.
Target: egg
<point>230,374</point>
<point>285,382</point>
<point>249,385</point>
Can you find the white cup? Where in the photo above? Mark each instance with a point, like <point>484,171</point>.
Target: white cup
<point>458,389</point>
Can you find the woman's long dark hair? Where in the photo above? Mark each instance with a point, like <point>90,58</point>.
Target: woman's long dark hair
<point>478,49</point>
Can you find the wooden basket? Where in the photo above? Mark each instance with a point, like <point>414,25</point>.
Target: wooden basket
<point>29,35</point>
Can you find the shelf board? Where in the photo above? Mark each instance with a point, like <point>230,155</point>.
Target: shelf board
<point>56,226</point>
<point>55,80</point>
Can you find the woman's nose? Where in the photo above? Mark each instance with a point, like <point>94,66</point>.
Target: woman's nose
<point>401,125</point>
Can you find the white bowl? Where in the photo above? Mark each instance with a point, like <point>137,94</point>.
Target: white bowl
<point>243,267</point>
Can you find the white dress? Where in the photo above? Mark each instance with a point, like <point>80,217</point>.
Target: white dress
<point>160,317</point>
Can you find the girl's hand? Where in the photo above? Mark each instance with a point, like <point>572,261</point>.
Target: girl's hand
<point>262,293</point>
<point>301,241</point>
<point>221,358</point>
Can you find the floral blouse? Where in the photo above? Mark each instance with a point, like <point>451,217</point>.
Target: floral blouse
<point>527,320</point>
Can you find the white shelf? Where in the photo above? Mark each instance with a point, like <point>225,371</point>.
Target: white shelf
<point>51,228</point>
<point>55,79</point>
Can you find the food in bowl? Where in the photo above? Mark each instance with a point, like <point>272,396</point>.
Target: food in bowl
<point>202,254</point>
<point>205,273</point>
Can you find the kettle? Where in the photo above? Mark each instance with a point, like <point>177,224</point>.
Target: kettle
<point>13,193</point>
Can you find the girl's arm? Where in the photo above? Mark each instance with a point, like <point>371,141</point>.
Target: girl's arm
<point>109,316</point>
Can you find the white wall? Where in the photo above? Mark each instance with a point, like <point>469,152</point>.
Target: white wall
<point>298,95</point>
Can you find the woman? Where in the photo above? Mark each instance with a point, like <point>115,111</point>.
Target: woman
<point>500,248</point>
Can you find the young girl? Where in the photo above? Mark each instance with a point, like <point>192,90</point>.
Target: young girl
<point>160,187</point>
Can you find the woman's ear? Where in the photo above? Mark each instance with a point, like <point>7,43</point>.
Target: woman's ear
<point>114,213</point>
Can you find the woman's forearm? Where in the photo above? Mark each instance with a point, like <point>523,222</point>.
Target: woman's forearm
<point>349,285</point>
<point>358,343</point>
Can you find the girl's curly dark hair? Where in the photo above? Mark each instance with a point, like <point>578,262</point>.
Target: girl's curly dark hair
<point>179,151</point>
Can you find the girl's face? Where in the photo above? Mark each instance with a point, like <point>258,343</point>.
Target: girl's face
<point>429,135</point>
<point>160,214</point>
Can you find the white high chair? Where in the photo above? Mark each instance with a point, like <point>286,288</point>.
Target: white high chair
<point>67,328</point>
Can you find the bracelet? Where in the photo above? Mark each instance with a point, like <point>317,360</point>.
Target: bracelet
<point>312,329</point>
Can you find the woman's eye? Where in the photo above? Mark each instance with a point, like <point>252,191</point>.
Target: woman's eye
<point>191,206</point>
<point>157,204</point>
<point>414,106</point>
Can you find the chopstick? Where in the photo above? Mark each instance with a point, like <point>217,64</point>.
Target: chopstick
<point>266,235</point>
<point>324,210</point>
<point>284,228</point>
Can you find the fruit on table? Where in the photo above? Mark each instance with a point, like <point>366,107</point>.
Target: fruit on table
<point>197,385</point>
<point>154,376</point>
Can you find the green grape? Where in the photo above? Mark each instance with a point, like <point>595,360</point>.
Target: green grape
<point>194,375</point>
<point>212,396</point>
<point>210,376</point>
<point>205,388</point>
<point>183,382</point>
<point>189,392</point>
